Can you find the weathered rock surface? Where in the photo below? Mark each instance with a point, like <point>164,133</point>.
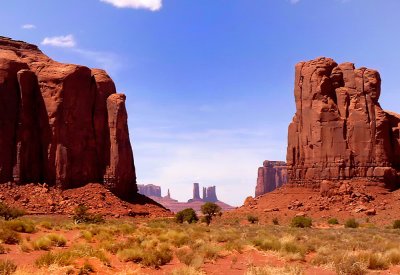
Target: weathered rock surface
<point>149,190</point>
<point>339,130</point>
<point>196,191</point>
<point>272,175</point>
<point>61,124</point>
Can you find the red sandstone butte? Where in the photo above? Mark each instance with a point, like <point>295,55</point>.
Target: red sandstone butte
<point>61,124</point>
<point>272,175</point>
<point>339,130</point>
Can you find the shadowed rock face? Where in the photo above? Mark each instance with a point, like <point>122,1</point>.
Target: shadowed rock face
<point>61,124</point>
<point>339,130</point>
<point>272,175</point>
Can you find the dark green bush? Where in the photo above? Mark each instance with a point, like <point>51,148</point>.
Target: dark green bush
<point>252,219</point>
<point>333,221</point>
<point>9,213</point>
<point>301,222</point>
<point>81,215</point>
<point>351,223</point>
<point>396,224</point>
<point>186,215</point>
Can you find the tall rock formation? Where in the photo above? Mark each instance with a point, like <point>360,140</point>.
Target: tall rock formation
<point>61,124</point>
<point>272,175</point>
<point>150,190</point>
<point>211,194</point>
<point>196,191</point>
<point>339,130</point>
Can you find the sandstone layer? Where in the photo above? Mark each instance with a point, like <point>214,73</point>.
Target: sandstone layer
<point>149,190</point>
<point>61,124</point>
<point>272,175</point>
<point>339,130</point>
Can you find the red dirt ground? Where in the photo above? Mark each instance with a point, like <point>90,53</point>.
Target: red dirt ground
<point>40,199</point>
<point>361,200</point>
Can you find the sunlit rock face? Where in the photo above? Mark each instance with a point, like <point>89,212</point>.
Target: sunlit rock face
<point>339,130</point>
<point>61,124</point>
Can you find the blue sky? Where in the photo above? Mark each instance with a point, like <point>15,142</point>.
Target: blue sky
<point>209,83</point>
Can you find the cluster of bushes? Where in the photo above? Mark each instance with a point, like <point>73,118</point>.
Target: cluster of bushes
<point>9,213</point>
<point>209,210</point>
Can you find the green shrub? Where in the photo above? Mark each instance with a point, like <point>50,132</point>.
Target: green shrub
<point>210,210</point>
<point>81,215</point>
<point>333,221</point>
<point>9,213</point>
<point>351,223</point>
<point>7,267</point>
<point>396,224</point>
<point>301,222</point>
<point>186,215</point>
<point>21,226</point>
<point>252,219</point>
<point>51,258</point>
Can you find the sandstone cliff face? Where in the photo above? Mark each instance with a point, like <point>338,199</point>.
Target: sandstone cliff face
<point>272,175</point>
<point>61,124</point>
<point>339,130</point>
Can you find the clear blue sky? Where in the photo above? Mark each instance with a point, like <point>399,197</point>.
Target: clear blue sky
<point>210,82</point>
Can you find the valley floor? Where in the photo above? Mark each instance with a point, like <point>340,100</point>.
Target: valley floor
<point>56,245</point>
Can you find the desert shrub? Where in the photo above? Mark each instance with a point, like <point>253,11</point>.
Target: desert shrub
<point>270,270</point>
<point>210,210</point>
<point>47,225</point>
<point>86,250</point>
<point>396,224</point>
<point>48,241</point>
<point>87,235</point>
<point>21,226</point>
<point>51,258</point>
<point>350,265</point>
<point>7,267</point>
<point>148,257</point>
<point>268,244</point>
<point>187,270</point>
<point>301,222</point>
<point>81,215</point>
<point>351,223</point>
<point>187,256</point>
<point>25,247</point>
<point>186,215</point>
<point>87,268</point>
<point>333,221</point>
<point>9,213</point>
<point>9,236</point>
<point>252,219</point>
<point>393,256</point>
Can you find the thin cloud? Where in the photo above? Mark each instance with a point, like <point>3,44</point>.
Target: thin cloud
<point>153,5</point>
<point>294,1</point>
<point>67,41</point>
<point>28,26</point>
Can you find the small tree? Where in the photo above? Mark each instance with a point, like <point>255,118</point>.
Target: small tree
<point>186,215</point>
<point>301,222</point>
<point>81,215</point>
<point>252,219</point>
<point>351,223</point>
<point>333,221</point>
<point>210,210</point>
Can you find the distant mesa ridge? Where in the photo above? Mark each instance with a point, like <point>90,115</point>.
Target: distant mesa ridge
<point>272,175</point>
<point>150,190</point>
<point>61,124</point>
<point>209,193</point>
<point>339,130</point>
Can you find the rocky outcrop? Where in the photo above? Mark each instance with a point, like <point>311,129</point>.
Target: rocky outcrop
<point>272,175</point>
<point>149,190</point>
<point>339,130</point>
<point>61,124</point>
<point>211,194</point>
